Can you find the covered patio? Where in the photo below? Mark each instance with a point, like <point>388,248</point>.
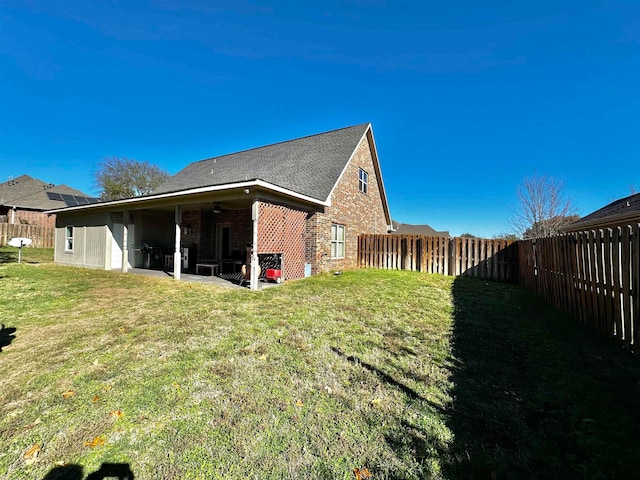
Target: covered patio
<point>212,234</point>
<point>225,281</point>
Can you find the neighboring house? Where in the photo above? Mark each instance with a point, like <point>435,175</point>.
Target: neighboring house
<point>26,199</point>
<point>620,212</point>
<point>426,230</point>
<point>306,200</point>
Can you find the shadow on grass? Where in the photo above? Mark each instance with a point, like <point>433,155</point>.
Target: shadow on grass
<point>411,438</point>
<point>8,257</point>
<point>6,336</point>
<point>388,379</point>
<point>111,471</point>
<point>536,395</point>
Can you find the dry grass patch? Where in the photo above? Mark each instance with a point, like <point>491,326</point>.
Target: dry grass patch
<point>298,381</point>
<point>369,369</point>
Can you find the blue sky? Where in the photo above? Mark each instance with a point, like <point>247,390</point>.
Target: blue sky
<point>466,98</point>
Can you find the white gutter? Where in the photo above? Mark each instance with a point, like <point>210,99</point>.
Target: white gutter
<point>195,191</point>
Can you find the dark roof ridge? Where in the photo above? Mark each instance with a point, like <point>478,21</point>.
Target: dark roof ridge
<point>620,200</point>
<point>21,178</point>
<point>280,142</point>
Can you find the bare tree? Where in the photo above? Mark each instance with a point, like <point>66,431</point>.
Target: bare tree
<point>542,208</point>
<point>124,178</point>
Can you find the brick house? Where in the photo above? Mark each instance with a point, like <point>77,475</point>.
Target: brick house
<point>26,199</point>
<point>303,202</point>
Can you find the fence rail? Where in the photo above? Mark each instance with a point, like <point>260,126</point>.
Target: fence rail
<point>43,237</point>
<point>476,257</point>
<point>593,276</point>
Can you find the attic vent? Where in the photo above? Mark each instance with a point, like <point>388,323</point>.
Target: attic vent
<point>47,186</point>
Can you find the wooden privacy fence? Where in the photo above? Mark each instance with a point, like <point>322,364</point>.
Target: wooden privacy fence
<point>477,257</point>
<point>594,276</point>
<point>43,237</point>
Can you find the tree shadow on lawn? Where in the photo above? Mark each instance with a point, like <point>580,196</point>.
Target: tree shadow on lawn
<point>119,471</point>
<point>410,439</point>
<point>6,336</point>
<point>537,395</point>
<point>385,377</point>
<point>8,257</point>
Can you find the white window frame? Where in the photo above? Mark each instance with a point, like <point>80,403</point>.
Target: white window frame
<point>363,180</point>
<point>338,244</point>
<point>68,238</point>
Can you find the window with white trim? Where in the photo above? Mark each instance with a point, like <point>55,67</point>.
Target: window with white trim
<point>363,181</point>
<point>68,239</point>
<point>337,241</point>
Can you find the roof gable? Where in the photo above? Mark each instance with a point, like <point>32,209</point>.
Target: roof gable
<point>309,166</point>
<point>32,193</point>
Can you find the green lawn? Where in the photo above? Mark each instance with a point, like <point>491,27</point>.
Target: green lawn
<point>397,374</point>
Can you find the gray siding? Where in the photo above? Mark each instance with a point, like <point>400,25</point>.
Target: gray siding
<point>90,245</point>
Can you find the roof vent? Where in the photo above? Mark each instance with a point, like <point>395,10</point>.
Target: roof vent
<point>628,204</point>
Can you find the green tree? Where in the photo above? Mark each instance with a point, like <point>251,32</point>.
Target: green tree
<point>506,236</point>
<point>118,178</point>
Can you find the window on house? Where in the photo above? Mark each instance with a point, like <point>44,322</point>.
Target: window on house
<point>363,181</point>
<point>68,239</point>
<point>337,241</point>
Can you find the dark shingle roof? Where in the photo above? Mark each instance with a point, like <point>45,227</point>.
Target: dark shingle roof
<point>625,206</point>
<point>426,230</point>
<point>309,166</point>
<point>34,194</point>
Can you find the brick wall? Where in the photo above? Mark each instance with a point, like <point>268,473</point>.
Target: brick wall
<point>357,211</point>
<point>239,222</point>
<point>282,230</point>
<point>191,228</point>
<point>202,231</point>
<point>207,236</point>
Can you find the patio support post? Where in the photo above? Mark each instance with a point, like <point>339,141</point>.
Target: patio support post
<point>177,258</point>
<point>125,241</point>
<point>253,282</point>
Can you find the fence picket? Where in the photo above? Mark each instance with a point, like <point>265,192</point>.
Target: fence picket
<point>635,268</point>
<point>626,291</point>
